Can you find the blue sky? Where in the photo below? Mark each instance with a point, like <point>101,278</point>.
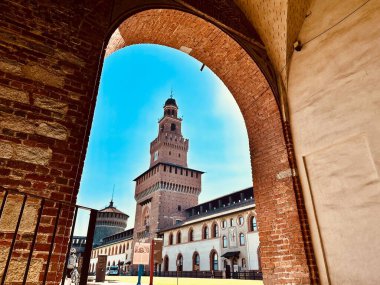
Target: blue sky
<point>134,85</point>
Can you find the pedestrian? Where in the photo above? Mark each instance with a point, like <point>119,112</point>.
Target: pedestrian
<point>71,264</point>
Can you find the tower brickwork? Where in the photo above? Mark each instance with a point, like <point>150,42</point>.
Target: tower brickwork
<point>169,146</point>
<point>168,187</point>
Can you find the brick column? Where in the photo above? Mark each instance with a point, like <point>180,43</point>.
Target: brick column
<point>49,57</point>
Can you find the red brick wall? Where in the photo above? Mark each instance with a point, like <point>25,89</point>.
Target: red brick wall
<point>49,57</point>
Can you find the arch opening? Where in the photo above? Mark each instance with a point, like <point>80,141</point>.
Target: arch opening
<point>267,135</point>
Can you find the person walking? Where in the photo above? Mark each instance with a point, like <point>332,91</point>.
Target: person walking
<point>72,275</point>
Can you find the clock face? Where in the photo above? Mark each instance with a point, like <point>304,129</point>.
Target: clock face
<point>155,156</point>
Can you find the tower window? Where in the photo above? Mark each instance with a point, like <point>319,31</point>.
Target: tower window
<point>172,127</point>
<point>170,153</point>
<point>179,208</point>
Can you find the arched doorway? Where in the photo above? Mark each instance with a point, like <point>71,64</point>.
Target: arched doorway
<point>196,261</point>
<point>179,262</point>
<point>214,260</point>
<point>166,263</point>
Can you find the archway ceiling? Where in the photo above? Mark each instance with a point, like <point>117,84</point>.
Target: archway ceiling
<point>266,29</point>
<point>208,44</point>
<point>278,23</point>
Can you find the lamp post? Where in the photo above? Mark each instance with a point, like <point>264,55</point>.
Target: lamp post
<point>141,267</point>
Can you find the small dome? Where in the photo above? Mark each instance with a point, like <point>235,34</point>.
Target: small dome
<point>171,102</point>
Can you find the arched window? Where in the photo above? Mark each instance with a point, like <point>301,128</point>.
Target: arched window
<point>145,216</point>
<point>124,248</point>
<point>224,242</point>
<point>253,224</point>
<point>224,224</point>
<point>240,220</point>
<point>206,233</point>
<point>113,263</point>
<point>214,260</point>
<point>172,127</point>
<point>127,246</point>
<point>196,261</point>
<point>108,263</point>
<point>215,230</point>
<point>191,234</point>
<point>179,262</point>
<point>166,263</point>
<point>179,237</point>
<point>170,239</point>
<point>242,239</point>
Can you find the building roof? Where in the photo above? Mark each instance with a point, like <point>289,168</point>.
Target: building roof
<point>125,235</point>
<point>112,209</point>
<point>171,102</point>
<point>223,205</point>
<point>248,189</point>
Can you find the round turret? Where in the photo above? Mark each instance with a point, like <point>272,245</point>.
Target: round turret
<point>109,221</point>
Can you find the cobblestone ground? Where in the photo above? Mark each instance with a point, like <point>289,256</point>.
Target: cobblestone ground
<point>132,280</point>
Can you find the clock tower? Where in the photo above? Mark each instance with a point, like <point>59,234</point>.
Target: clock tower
<point>169,186</point>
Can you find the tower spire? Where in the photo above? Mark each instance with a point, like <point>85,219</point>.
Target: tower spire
<point>113,191</point>
<point>171,92</point>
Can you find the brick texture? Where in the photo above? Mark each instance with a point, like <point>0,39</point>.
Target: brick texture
<point>49,57</point>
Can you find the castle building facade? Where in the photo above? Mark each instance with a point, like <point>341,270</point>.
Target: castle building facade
<point>217,236</point>
<point>118,248</point>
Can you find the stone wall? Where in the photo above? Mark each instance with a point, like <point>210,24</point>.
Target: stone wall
<point>334,105</point>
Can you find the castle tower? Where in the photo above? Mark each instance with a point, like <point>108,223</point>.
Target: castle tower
<point>109,221</point>
<point>168,187</point>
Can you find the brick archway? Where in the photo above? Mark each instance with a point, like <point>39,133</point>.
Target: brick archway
<point>277,192</point>
<point>51,56</point>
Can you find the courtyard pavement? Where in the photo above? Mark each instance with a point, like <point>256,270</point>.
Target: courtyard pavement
<point>132,280</point>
